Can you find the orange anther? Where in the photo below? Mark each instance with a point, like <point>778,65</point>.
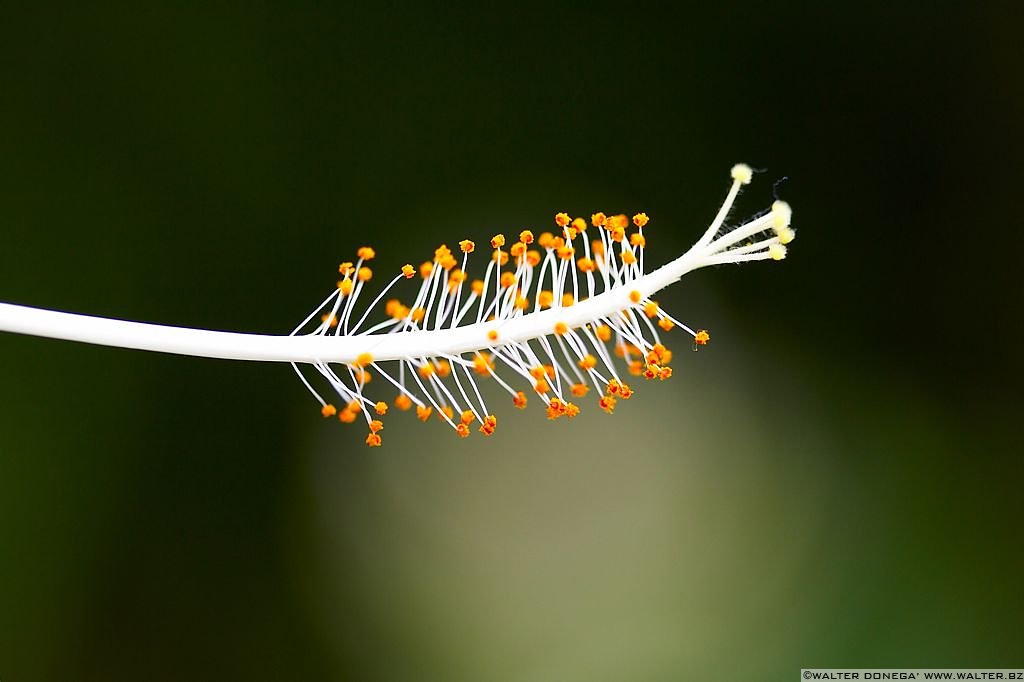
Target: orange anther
<point>373,440</point>
<point>640,219</point>
<point>604,333</point>
<point>588,362</point>
<point>561,329</point>
<point>478,286</point>
<point>492,335</point>
<point>702,337</point>
<point>586,265</point>
<point>638,240</point>
<point>345,268</point>
<point>426,267</point>
<point>580,390</point>
<point>567,300</point>
<point>363,359</point>
<point>381,407</point>
<point>362,376</point>
<point>628,258</point>
<point>364,274</point>
<point>566,252</point>
<point>408,271</point>
<point>462,430</point>
<point>651,371</point>
<point>579,224</point>
<point>354,407</point>
<point>497,241</point>
<point>545,299</point>
<point>490,423</point>
<point>562,219</point>
<point>331,320</point>
<point>635,296</point>
<point>500,257</point>
<point>651,309</point>
<point>541,386</point>
<point>328,410</point>
<point>517,250</point>
<point>613,387</point>
<point>519,400</point>
<point>423,412</point>
<point>666,324</point>
<point>526,237</point>
<point>482,364</point>
<point>625,392</point>
<point>571,410</point>
<point>545,238</point>
<point>346,286</point>
<point>664,373</point>
<point>532,258</point>
<point>467,246</point>
<point>607,403</point>
<point>617,234</point>
<point>441,252</point>
<point>366,253</point>
<point>508,279</point>
<point>598,219</point>
<point>636,368</point>
<point>467,417</point>
<point>448,412</point>
<point>444,368</point>
<point>425,371</point>
<point>522,303</point>
<point>417,314</point>
<point>597,246</point>
<point>376,425</point>
<point>346,416</point>
<point>403,402</point>
<point>448,262</point>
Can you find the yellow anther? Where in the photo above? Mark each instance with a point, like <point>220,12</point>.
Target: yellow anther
<point>617,234</point>
<point>651,309</point>
<point>651,371</point>
<point>423,412</point>
<point>363,359</point>
<point>477,286</point>
<point>567,300</point>
<point>366,253</point>
<point>532,258</point>
<point>597,247</point>
<point>467,246</point>
<point>579,224</point>
<point>638,240</point>
<point>702,337</point>
<point>777,251</point>
<point>519,400</point>
<point>545,299</point>
<point>346,416</point>
<point>566,252</point>
<point>604,333</point>
<point>561,329</point>
<point>417,314</point>
<point>425,371</point>
<point>403,402</point>
<point>373,440</point>
<point>492,335</point>
<point>526,237</point>
<point>628,258</point>
<point>345,268</point>
<point>544,240</point>
<point>598,219</point>
<point>562,219</point>
<point>448,262</point>
<point>408,271</point>
<point>588,362</point>
<point>580,390</point>
<point>557,243</point>
<point>364,274</point>
<point>517,250</point>
<point>497,241</point>
<point>482,364</point>
<point>442,251</point>
<point>392,306</point>
<point>381,408</point>
<point>522,303</point>
<point>328,410</point>
<point>571,233</point>
<point>362,376</point>
<point>467,417</point>
<point>426,267</point>
<point>500,257</point>
<point>617,222</point>
<point>666,324</point>
<point>635,296</point>
<point>538,372</point>
<point>330,319</point>
<point>346,286</point>
<point>640,219</point>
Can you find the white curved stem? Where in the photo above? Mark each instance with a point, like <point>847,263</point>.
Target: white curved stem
<point>345,349</point>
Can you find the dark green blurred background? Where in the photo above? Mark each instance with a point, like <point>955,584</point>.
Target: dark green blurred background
<point>835,482</point>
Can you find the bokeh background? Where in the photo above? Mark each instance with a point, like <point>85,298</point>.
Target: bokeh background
<point>835,482</point>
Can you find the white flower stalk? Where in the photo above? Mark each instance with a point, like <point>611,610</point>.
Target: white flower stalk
<point>545,314</point>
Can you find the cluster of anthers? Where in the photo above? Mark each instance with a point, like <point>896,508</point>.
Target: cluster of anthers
<point>546,311</point>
